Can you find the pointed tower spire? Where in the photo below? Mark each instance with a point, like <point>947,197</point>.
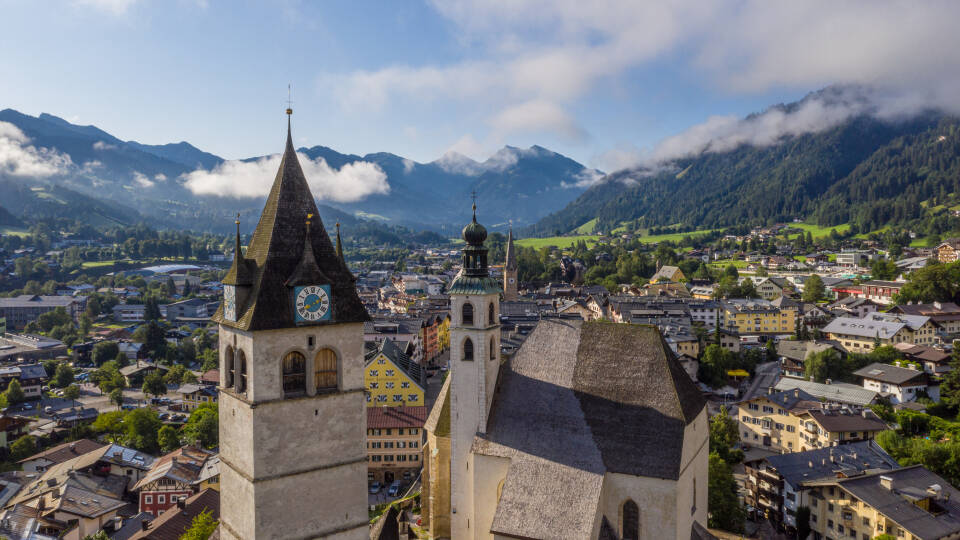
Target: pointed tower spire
<point>307,272</point>
<point>240,272</point>
<point>511,258</point>
<point>237,250</point>
<point>339,243</point>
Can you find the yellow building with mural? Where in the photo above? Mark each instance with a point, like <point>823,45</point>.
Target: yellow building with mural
<point>391,378</point>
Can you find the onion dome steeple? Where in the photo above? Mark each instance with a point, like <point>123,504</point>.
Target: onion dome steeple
<point>474,276</point>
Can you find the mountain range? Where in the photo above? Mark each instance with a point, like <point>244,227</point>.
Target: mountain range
<point>97,171</point>
<point>868,170</point>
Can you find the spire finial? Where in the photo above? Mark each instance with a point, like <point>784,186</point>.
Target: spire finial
<point>309,217</point>
<point>473,195</point>
<point>339,242</point>
<point>289,102</point>
<point>237,248</point>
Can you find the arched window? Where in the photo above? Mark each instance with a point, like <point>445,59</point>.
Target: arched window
<point>467,349</point>
<point>242,371</point>
<point>631,521</point>
<point>467,314</point>
<point>490,315</point>
<point>325,370</point>
<point>493,349</point>
<point>228,366</point>
<point>294,374</point>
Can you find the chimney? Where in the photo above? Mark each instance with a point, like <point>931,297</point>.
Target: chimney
<point>829,381</point>
<point>769,390</point>
<point>796,392</point>
<point>145,525</point>
<point>181,503</point>
<point>811,378</point>
<point>886,482</point>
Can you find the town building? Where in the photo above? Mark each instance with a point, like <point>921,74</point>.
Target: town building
<point>31,377</point>
<point>752,317</point>
<point>544,443</point>
<point>174,522</point>
<point>292,441</point>
<point>777,485</point>
<point>793,354</point>
<point>831,392</point>
<point>945,314</point>
<point>881,292</point>
<point>29,348</point>
<point>949,251</point>
<point>128,463</point>
<point>934,361</point>
<point>833,425</point>
<point>182,473</point>
<point>134,313</point>
<point>862,335</point>
<point>195,395</point>
<point>395,439</point>
<point>21,310</point>
<point>899,384</point>
<point>42,461</point>
<point>391,378</point>
<point>909,502</point>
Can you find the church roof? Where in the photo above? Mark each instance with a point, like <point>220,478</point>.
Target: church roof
<point>511,259</point>
<point>276,253</point>
<point>619,404</point>
<point>438,422</point>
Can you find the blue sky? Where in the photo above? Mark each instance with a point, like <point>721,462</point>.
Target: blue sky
<point>605,82</point>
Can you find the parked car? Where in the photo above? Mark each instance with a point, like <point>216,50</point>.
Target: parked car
<point>48,410</point>
<point>394,489</point>
<point>375,488</point>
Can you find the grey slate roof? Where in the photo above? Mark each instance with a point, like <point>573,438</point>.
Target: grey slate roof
<point>837,392</point>
<point>799,467</point>
<point>910,483</point>
<point>889,374</point>
<point>276,251</point>
<point>577,401</point>
<point>843,421</point>
<point>788,399</point>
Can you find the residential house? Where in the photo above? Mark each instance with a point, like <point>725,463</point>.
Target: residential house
<point>934,361</point>
<point>391,378</point>
<point>195,395</point>
<point>172,523</point>
<point>853,306</point>
<point>668,273</point>
<point>862,335</point>
<point>30,376</point>
<point>193,308</point>
<point>909,503</point>
<point>130,313</point>
<point>831,392</point>
<point>948,251</point>
<point>899,384</point>
<point>834,425</point>
<point>29,348</point>
<point>134,373</point>
<point>881,292</point>
<point>42,461</point>
<point>771,288</point>
<point>777,485</point>
<point>127,462</point>
<point>771,420</point>
<point>793,353</point>
<point>182,473</point>
<point>395,438</point>
<point>409,331</point>
<point>945,314</point>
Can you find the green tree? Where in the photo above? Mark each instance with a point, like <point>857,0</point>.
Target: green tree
<point>23,448</point>
<point>116,396</point>
<point>209,359</point>
<point>201,528</point>
<point>153,384</point>
<point>111,425</point>
<point>813,289</point>
<point>932,283</point>
<point>121,359</point>
<point>175,375</point>
<point>141,428</point>
<point>14,393</point>
<point>100,535</point>
<point>724,435</point>
<point>731,270</point>
<point>85,324</point>
<point>72,393</point>
<point>63,376</point>
<point>105,351</point>
<point>203,426</point>
<point>823,365</point>
<point>151,311</point>
<point>884,536</point>
<point>723,507</point>
<point>950,386</point>
<point>168,439</point>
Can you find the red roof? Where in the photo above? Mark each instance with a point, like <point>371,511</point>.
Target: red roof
<point>211,376</point>
<point>396,417</point>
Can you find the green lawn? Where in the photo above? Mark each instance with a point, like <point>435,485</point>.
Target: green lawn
<point>721,264</point>
<point>557,241</point>
<point>673,237</point>
<point>97,264</point>
<point>817,231</point>
<point>13,231</point>
<point>587,228</point>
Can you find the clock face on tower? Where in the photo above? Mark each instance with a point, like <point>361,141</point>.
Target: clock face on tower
<point>230,302</point>
<point>510,281</point>
<point>312,303</point>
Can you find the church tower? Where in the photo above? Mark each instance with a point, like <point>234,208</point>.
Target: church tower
<point>292,415</point>
<point>474,364</point>
<point>510,271</point>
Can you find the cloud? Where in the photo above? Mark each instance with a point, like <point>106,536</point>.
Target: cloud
<point>114,7</point>
<point>537,116</point>
<point>352,182</point>
<point>142,180</point>
<point>90,166</point>
<point>408,165</point>
<point>100,146</point>
<point>585,179</point>
<point>19,158</point>
<point>160,177</point>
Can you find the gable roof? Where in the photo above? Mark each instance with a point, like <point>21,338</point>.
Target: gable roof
<point>890,374</point>
<point>578,400</point>
<point>400,359</point>
<point>438,422</point>
<point>172,523</point>
<point>277,249</point>
<point>837,392</point>
<point>66,451</point>
<point>844,420</point>
<point>666,273</point>
<point>797,467</point>
<point>396,417</point>
<point>789,399</point>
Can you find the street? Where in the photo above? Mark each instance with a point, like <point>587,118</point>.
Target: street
<point>766,375</point>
